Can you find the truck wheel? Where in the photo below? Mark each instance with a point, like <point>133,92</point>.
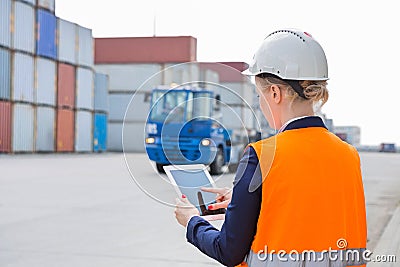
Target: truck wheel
<point>160,168</point>
<point>218,163</point>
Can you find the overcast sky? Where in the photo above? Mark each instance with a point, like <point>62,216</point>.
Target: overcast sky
<point>359,38</point>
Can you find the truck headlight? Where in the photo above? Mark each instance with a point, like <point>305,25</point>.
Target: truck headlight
<point>150,140</point>
<point>205,142</point>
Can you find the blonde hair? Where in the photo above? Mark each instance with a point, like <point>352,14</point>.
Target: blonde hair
<point>315,91</point>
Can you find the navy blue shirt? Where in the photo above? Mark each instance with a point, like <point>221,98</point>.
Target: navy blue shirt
<point>232,243</point>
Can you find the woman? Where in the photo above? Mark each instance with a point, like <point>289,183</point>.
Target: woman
<point>298,197</point>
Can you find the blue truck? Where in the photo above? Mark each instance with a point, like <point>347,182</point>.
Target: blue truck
<point>181,129</point>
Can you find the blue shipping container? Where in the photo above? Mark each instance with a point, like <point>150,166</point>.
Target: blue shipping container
<point>5,77</point>
<point>46,34</point>
<point>100,132</point>
<point>5,19</point>
<point>101,92</point>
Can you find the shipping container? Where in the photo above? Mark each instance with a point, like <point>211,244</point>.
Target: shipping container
<point>84,88</point>
<point>65,131</point>
<point>85,47</point>
<point>23,125</point>
<point>45,81</point>
<point>45,125</point>
<point>130,77</point>
<point>5,74</point>
<point>67,41</point>
<point>83,131</point>
<point>133,137</point>
<point>181,74</point>
<point>5,127</point>
<point>145,49</point>
<point>23,78</point>
<point>136,107</point>
<point>100,132</point>
<point>101,92</point>
<point>5,22</point>
<point>24,27</point>
<point>66,85</point>
<point>46,34</point>
<point>229,72</point>
<point>47,4</point>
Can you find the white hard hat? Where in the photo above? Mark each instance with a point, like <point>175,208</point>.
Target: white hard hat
<point>291,55</point>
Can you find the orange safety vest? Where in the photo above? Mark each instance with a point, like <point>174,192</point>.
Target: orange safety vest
<point>312,200</point>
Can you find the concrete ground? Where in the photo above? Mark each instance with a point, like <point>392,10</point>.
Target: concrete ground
<point>86,210</point>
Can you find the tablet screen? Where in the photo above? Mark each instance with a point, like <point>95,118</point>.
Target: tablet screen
<point>190,182</point>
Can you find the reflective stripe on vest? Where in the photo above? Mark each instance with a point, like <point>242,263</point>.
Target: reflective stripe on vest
<point>339,258</point>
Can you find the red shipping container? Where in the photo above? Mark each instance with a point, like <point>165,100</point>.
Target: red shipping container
<point>229,72</point>
<point>145,50</point>
<point>66,86</point>
<point>5,126</point>
<point>65,130</point>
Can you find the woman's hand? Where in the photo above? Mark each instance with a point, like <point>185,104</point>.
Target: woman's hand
<point>224,196</point>
<point>184,210</point>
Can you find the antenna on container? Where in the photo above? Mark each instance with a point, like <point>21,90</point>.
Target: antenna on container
<point>154,22</point>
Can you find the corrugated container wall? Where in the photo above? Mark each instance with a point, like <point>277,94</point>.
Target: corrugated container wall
<point>101,92</point>
<point>46,34</point>
<point>23,78</point>
<point>86,47</point>
<point>66,85</point>
<point>45,81</point>
<point>24,27</point>
<point>145,49</point>
<point>84,88</point>
<point>130,77</point>
<point>45,119</point>
<point>5,126</point>
<point>65,130</point>
<point>47,4</point>
<point>67,41</point>
<point>5,19</point>
<point>100,132</point>
<point>23,118</point>
<point>83,131</point>
<point>135,106</point>
<point>5,74</point>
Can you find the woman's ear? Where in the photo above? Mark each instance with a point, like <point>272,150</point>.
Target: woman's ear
<point>276,93</point>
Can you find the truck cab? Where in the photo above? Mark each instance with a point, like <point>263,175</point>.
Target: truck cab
<point>180,129</point>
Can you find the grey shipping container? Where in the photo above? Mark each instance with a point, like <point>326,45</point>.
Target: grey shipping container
<point>23,78</point>
<point>85,47</point>
<point>136,110</point>
<point>22,134</point>
<point>45,81</point>
<point>47,4</point>
<point>5,20</point>
<point>84,90</point>
<point>181,73</point>
<point>24,25</point>
<point>45,125</point>
<point>130,77</point>
<point>5,77</point>
<point>83,131</point>
<point>133,137</point>
<point>101,92</point>
<point>67,37</point>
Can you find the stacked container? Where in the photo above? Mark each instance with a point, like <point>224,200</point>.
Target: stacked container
<point>46,80</point>
<point>101,110</point>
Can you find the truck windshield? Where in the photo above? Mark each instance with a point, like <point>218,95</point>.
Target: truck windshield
<point>168,106</point>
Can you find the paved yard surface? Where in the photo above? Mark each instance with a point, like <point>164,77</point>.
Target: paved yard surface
<point>86,210</point>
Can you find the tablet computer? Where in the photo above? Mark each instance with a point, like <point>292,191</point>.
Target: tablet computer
<point>188,180</point>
